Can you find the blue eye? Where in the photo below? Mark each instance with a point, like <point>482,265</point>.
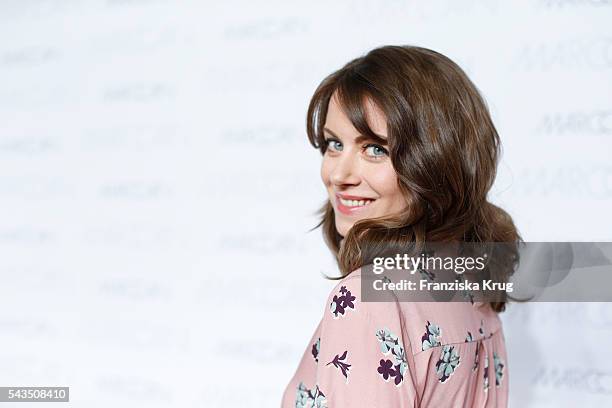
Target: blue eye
<point>334,144</point>
<point>375,150</point>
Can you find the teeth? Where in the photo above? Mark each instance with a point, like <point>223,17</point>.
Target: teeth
<point>355,203</point>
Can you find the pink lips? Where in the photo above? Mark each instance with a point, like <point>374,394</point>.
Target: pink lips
<point>349,210</point>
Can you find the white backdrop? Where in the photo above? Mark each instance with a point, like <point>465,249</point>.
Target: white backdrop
<point>157,186</point>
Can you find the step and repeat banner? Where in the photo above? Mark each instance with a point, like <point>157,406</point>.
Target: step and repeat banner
<point>158,188</point>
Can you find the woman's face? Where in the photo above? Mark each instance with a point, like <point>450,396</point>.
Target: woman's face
<point>357,172</point>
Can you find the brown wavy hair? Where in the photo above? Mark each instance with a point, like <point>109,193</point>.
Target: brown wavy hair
<point>442,144</point>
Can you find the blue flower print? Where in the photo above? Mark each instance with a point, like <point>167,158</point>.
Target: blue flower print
<point>390,343</point>
<point>498,363</point>
<point>306,398</point>
<point>448,363</point>
<point>340,304</point>
<point>400,358</point>
<point>387,340</point>
<point>432,335</point>
<point>302,396</point>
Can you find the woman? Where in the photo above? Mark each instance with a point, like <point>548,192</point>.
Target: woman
<point>409,154</point>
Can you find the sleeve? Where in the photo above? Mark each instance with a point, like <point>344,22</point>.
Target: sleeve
<point>364,360</point>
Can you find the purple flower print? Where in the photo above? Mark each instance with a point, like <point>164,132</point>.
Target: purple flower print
<point>481,330</point>
<point>315,349</point>
<point>340,363</point>
<point>398,375</point>
<point>386,369</point>
<point>348,300</point>
<point>432,335</point>
<point>340,304</point>
<point>318,398</point>
<point>448,362</point>
<point>391,344</point>
<point>336,306</point>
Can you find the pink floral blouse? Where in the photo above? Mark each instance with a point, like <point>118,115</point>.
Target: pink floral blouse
<point>402,354</point>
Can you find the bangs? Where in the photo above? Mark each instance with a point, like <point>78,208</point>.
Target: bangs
<point>353,92</point>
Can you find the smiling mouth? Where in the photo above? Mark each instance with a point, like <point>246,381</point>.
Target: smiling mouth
<point>351,205</point>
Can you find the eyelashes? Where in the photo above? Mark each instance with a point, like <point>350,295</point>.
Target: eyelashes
<point>330,141</point>
<point>372,150</point>
<point>373,146</point>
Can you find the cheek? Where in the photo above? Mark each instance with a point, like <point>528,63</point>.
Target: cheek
<point>325,171</point>
<point>383,180</point>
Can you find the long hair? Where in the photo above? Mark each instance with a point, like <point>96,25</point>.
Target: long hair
<point>442,144</point>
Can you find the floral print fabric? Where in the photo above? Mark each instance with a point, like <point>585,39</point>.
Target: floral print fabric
<point>386,354</point>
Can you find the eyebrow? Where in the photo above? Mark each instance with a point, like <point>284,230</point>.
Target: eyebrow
<point>362,138</point>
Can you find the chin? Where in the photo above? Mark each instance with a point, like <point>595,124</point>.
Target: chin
<point>343,229</point>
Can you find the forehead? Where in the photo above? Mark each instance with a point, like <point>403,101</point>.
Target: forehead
<point>338,120</point>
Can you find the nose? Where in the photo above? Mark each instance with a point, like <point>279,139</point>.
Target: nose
<point>345,171</point>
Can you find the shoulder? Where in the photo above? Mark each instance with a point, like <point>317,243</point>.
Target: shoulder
<point>346,298</point>
<point>345,303</point>
<point>423,325</point>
